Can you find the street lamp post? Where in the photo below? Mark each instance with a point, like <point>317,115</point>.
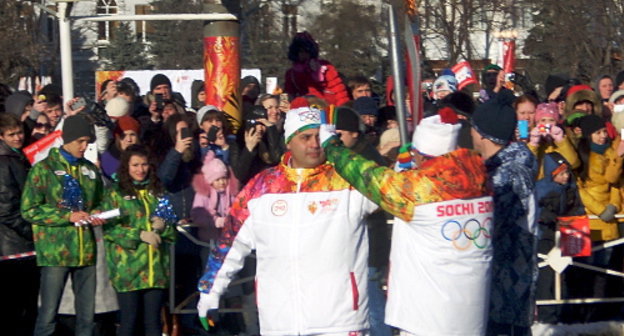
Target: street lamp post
<point>67,70</point>
<point>62,14</point>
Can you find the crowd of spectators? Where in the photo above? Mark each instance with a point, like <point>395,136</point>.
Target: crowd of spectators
<point>164,162</point>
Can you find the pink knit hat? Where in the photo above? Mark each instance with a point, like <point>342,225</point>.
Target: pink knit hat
<point>213,168</point>
<point>547,110</point>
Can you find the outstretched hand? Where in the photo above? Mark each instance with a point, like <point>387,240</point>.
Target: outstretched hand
<point>327,132</point>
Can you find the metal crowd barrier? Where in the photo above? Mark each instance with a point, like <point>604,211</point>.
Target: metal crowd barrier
<point>560,263</point>
<point>180,307</point>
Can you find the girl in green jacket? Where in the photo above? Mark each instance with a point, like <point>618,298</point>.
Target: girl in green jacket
<point>136,242</point>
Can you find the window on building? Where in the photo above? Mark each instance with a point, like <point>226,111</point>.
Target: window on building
<point>49,25</point>
<point>143,28</point>
<point>106,29</point>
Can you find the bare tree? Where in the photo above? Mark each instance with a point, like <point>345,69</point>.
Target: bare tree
<point>177,44</point>
<point>22,49</point>
<point>576,37</point>
<point>264,39</point>
<point>453,25</point>
<point>352,36</point>
<point>449,22</point>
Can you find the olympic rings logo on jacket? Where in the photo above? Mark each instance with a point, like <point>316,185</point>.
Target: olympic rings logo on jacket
<point>471,232</point>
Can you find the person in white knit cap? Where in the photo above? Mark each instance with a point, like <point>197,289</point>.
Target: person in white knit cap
<point>305,223</point>
<point>441,252</point>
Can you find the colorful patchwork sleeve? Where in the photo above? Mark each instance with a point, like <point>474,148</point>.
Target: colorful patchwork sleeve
<point>35,207</point>
<point>396,193</point>
<point>234,244</point>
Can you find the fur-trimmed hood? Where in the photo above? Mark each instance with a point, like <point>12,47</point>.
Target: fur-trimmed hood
<point>582,95</point>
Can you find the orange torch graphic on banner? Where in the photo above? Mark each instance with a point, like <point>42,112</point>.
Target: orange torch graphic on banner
<point>222,76</point>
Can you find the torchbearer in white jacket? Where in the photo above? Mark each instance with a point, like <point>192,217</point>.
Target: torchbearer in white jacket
<point>441,254</point>
<point>305,223</point>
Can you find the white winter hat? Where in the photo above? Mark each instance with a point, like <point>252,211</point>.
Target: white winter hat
<point>437,135</point>
<point>301,119</point>
<point>202,111</point>
<point>117,107</point>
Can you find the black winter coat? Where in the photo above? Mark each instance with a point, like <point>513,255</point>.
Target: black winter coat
<point>15,232</point>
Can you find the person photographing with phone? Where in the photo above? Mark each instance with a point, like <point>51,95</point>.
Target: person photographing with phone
<point>547,137</point>
<point>177,158</point>
<point>257,147</point>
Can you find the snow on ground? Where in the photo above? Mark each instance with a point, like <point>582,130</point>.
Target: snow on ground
<point>611,328</point>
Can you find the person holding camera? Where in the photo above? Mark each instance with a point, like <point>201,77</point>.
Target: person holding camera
<point>547,137</point>
<point>160,93</point>
<point>260,146</point>
<point>214,141</point>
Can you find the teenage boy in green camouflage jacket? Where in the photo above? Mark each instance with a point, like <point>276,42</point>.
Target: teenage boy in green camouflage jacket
<point>59,193</point>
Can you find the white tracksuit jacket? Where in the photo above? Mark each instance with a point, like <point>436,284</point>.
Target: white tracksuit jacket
<point>311,246</point>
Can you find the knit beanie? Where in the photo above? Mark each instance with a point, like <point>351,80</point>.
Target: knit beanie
<point>389,135</point>
<point>615,96</point>
<point>590,124</point>
<point>202,112</point>
<point>117,107</point>
<point>577,88</point>
<point>365,106</point>
<point>213,168</point>
<point>16,102</point>
<point>301,119</point>
<point>127,123</point>
<point>547,110</point>
<point>159,79</point>
<point>492,66</point>
<point>459,101</point>
<point>553,82</point>
<point>347,119</point>
<point>437,135</point>
<point>495,121</point>
<point>445,83</point>
<point>75,127</point>
<point>249,80</point>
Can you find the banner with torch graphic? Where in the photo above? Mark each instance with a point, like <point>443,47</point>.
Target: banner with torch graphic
<point>222,76</point>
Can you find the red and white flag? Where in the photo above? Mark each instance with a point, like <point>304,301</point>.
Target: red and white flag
<point>40,149</point>
<point>464,74</point>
